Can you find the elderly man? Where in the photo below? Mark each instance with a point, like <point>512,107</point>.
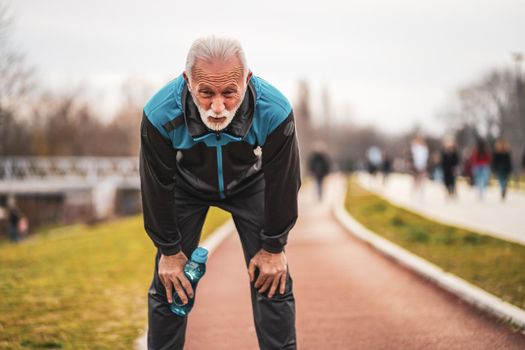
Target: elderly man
<point>219,136</point>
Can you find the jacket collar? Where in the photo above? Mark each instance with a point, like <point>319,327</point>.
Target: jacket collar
<point>238,127</point>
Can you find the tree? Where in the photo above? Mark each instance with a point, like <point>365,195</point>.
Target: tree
<point>126,123</point>
<point>15,83</point>
<point>490,107</point>
<point>303,117</point>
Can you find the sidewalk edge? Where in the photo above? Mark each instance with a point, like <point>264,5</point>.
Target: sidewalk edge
<point>211,243</point>
<point>466,291</point>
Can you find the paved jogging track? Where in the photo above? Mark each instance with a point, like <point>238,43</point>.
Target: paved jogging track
<point>348,296</point>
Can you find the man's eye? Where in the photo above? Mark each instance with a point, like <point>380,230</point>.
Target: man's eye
<point>206,93</point>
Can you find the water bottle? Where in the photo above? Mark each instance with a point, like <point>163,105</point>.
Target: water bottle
<point>194,270</point>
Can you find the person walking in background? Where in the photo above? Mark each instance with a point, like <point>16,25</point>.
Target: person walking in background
<point>386,166</point>
<point>23,227</point>
<point>449,165</point>
<point>319,166</point>
<point>467,165</point>
<point>374,158</point>
<point>435,170</point>
<point>13,220</point>
<point>480,162</point>
<point>419,155</point>
<point>502,164</point>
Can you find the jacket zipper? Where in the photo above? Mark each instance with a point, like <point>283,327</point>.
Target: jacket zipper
<point>219,166</point>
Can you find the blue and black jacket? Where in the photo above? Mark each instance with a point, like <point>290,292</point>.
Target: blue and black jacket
<point>178,149</point>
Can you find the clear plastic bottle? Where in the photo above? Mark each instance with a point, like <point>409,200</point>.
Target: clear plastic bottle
<point>194,269</point>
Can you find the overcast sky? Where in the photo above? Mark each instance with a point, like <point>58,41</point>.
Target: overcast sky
<point>393,63</point>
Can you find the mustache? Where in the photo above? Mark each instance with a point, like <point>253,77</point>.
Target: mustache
<point>224,114</point>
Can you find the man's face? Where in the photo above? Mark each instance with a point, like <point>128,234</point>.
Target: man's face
<point>217,89</point>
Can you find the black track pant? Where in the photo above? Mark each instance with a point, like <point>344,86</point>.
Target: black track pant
<point>274,318</point>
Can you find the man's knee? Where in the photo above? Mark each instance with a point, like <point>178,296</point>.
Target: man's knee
<point>277,297</point>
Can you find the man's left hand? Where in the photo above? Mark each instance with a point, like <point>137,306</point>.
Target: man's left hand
<point>272,271</point>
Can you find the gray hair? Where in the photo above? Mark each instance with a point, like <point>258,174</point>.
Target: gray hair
<point>212,47</point>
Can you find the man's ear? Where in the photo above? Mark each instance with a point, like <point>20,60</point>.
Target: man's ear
<point>248,77</point>
<point>185,76</point>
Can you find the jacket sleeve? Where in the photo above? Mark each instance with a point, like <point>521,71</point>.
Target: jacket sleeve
<point>281,168</point>
<point>157,168</point>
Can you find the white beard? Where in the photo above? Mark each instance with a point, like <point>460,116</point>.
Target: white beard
<point>204,114</point>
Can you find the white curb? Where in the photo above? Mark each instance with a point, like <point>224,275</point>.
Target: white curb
<point>457,286</point>
<point>211,243</point>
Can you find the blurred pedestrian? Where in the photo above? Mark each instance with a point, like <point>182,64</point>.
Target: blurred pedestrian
<point>23,226</point>
<point>502,164</point>
<point>319,166</point>
<point>13,220</point>
<point>449,166</point>
<point>386,166</point>
<point>467,166</point>
<point>419,155</point>
<point>480,161</point>
<point>374,158</point>
<point>436,172</point>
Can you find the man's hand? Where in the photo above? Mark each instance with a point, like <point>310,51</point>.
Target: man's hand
<point>272,271</point>
<point>171,274</point>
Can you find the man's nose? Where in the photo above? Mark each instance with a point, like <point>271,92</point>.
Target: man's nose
<point>217,105</point>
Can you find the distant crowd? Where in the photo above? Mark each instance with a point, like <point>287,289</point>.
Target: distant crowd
<point>477,164</point>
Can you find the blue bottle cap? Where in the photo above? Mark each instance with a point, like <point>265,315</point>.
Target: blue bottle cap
<point>200,255</point>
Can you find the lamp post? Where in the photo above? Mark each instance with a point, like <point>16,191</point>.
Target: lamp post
<point>520,104</point>
<point>520,96</point>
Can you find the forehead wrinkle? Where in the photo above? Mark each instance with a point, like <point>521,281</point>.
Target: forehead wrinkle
<point>234,74</point>
<point>216,86</point>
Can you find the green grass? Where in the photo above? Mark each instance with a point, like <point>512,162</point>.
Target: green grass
<point>79,287</point>
<point>493,264</point>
